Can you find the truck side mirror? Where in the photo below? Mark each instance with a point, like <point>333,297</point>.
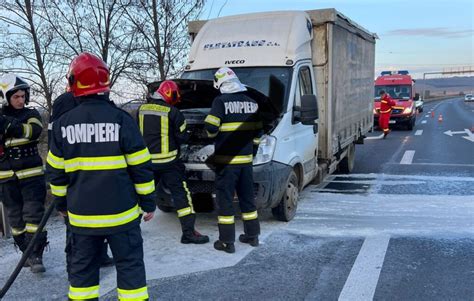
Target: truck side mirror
<point>417,96</point>
<point>309,109</point>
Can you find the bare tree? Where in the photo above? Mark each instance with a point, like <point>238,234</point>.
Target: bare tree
<point>28,47</point>
<point>164,42</point>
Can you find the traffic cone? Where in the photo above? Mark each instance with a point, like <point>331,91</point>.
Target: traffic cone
<point>432,114</point>
<point>440,118</point>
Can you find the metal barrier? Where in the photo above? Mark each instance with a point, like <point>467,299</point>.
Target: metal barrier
<point>4,225</point>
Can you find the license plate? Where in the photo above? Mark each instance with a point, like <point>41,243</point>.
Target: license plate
<point>392,121</point>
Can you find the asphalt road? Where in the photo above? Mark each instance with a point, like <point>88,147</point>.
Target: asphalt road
<point>401,227</point>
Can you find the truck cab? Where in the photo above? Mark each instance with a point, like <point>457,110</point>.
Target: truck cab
<point>400,86</point>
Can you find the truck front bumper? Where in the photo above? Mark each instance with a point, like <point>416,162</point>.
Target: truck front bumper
<point>269,182</point>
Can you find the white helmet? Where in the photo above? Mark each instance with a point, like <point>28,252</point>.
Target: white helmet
<point>223,75</point>
<point>10,84</point>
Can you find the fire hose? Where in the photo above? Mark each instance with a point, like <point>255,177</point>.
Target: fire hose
<point>28,250</point>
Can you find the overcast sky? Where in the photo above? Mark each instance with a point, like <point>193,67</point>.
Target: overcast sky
<point>419,36</point>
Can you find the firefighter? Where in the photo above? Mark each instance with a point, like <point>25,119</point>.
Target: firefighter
<point>62,104</point>
<point>100,174</point>
<point>386,104</point>
<point>164,129</point>
<point>237,128</point>
<point>21,168</point>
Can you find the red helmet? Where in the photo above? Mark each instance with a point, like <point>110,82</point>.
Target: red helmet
<point>169,91</point>
<point>88,75</point>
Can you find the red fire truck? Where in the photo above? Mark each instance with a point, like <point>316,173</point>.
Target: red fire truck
<point>400,86</point>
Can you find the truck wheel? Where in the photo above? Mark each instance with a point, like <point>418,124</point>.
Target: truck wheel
<point>286,209</point>
<point>203,202</point>
<point>347,164</point>
<point>411,124</point>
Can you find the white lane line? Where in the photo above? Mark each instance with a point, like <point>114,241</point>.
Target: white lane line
<point>418,132</point>
<point>423,121</point>
<point>364,275</point>
<point>407,157</point>
<point>426,116</point>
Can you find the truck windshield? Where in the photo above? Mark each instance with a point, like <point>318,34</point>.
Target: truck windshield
<point>258,78</point>
<point>402,92</point>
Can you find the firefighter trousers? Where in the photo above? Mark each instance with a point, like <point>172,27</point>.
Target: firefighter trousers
<point>231,179</point>
<point>127,249</point>
<point>24,203</point>
<point>172,177</point>
<point>384,119</point>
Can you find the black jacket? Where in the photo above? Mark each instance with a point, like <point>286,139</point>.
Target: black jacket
<point>20,131</point>
<point>99,168</point>
<point>164,130</point>
<point>235,123</point>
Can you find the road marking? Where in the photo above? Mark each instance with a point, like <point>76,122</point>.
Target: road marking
<point>407,157</point>
<point>426,116</point>
<point>364,275</point>
<point>374,137</point>
<point>418,132</point>
<point>423,121</point>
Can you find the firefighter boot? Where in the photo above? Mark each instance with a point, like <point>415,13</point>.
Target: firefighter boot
<point>191,236</point>
<point>22,243</point>
<point>253,241</point>
<point>226,247</point>
<point>36,258</point>
<point>105,259</point>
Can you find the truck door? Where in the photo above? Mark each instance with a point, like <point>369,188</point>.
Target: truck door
<point>306,136</point>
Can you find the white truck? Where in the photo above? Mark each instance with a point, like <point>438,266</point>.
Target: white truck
<point>315,70</point>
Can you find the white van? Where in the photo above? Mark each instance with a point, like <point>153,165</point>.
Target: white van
<point>313,75</point>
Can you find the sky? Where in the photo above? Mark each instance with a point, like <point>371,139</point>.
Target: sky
<point>415,35</point>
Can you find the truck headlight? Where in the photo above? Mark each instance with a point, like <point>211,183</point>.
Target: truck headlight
<point>265,150</point>
<point>407,110</point>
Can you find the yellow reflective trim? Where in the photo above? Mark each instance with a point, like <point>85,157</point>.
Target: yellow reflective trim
<point>29,172</point>
<point>27,130</point>
<point>384,101</point>
<point>104,221</point>
<point>256,141</point>
<point>233,159</point>
<point>31,228</point>
<point>6,174</point>
<point>226,220</point>
<point>214,120</point>
<point>17,142</point>
<point>54,161</point>
<point>211,135</point>
<point>154,107</point>
<point>386,111</point>
<point>240,126</point>
<point>18,231</point>
<point>184,211</point>
<point>140,122</point>
<point>95,163</point>
<point>182,127</point>
<point>145,188</point>
<point>58,190</point>
<point>138,157</point>
<point>35,121</point>
<point>135,294</point>
<point>188,196</point>
<point>164,134</point>
<point>83,293</point>
<point>246,216</point>
<point>164,155</point>
<point>166,160</point>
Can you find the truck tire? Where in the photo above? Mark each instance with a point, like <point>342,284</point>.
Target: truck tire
<point>411,124</point>
<point>203,202</point>
<point>347,164</point>
<point>286,209</point>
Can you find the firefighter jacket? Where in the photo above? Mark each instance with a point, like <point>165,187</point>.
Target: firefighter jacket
<point>20,131</point>
<point>64,103</point>
<point>386,104</point>
<point>99,168</point>
<point>164,129</point>
<point>236,126</point>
